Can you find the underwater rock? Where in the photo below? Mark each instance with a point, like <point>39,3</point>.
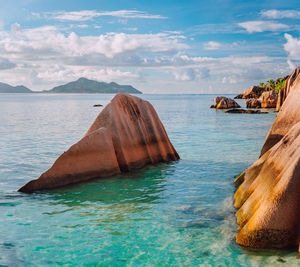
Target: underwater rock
<point>127,134</point>
<point>240,110</point>
<point>268,197</point>
<point>223,102</point>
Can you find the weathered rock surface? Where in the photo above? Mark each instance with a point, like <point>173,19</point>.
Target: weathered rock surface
<point>269,99</point>
<point>292,83</point>
<point>239,96</point>
<point>223,102</point>
<point>268,197</point>
<point>268,194</point>
<point>253,103</point>
<point>287,117</point>
<point>253,92</point>
<point>127,134</point>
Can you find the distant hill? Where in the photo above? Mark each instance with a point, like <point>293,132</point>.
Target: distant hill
<point>6,88</point>
<point>84,85</point>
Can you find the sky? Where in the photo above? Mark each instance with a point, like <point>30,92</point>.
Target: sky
<point>166,47</point>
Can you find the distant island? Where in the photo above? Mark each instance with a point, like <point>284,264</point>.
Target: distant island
<point>80,86</point>
<point>6,88</point>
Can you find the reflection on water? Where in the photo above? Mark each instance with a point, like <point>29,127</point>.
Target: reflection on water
<point>179,213</point>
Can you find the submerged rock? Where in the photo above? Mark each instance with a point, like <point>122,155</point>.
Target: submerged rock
<point>240,110</point>
<point>253,103</point>
<point>223,102</point>
<point>127,134</point>
<point>269,99</point>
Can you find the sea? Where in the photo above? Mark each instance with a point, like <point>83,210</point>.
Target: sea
<point>169,214</point>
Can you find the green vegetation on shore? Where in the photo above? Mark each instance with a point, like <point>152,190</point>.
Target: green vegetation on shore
<point>276,85</point>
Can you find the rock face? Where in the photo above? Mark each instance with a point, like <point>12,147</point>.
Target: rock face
<point>269,99</point>
<point>223,102</point>
<point>288,116</point>
<point>126,135</point>
<point>292,82</point>
<point>268,194</point>
<point>253,92</point>
<point>239,96</point>
<point>253,103</point>
<point>268,198</point>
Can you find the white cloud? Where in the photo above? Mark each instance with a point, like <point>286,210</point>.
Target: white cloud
<point>84,15</point>
<point>185,75</point>
<point>280,14</point>
<point>211,45</point>
<point>292,46</point>
<point>47,40</point>
<point>262,26</point>
<point>1,24</point>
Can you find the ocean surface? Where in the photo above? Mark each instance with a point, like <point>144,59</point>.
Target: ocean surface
<point>175,214</point>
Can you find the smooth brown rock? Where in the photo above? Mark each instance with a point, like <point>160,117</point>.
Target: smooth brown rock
<point>93,156</point>
<point>253,92</point>
<point>253,103</point>
<point>223,102</point>
<point>127,134</point>
<point>292,83</point>
<point>269,99</point>
<point>287,117</point>
<point>138,135</point>
<point>268,197</point>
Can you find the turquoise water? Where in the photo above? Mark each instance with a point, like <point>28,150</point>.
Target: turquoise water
<point>178,214</point>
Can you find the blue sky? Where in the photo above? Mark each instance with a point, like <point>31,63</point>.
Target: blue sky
<point>156,46</point>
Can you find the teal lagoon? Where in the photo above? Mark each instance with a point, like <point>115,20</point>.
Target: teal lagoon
<point>179,214</point>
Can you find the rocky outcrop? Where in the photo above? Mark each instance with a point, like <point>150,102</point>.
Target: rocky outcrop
<point>268,194</point>
<point>268,197</point>
<point>253,92</point>
<point>288,116</point>
<point>223,102</point>
<point>126,135</point>
<point>248,111</point>
<point>269,99</point>
<point>253,103</point>
<point>292,83</point>
<point>239,96</point>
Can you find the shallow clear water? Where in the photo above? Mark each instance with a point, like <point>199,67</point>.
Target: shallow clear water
<point>178,213</point>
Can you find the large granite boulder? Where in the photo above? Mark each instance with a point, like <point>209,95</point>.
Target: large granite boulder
<point>253,92</point>
<point>268,197</point>
<point>126,135</point>
<point>253,103</point>
<point>269,99</point>
<point>292,83</point>
<point>268,194</point>
<point>223,102</point>
<point>288,116</point>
